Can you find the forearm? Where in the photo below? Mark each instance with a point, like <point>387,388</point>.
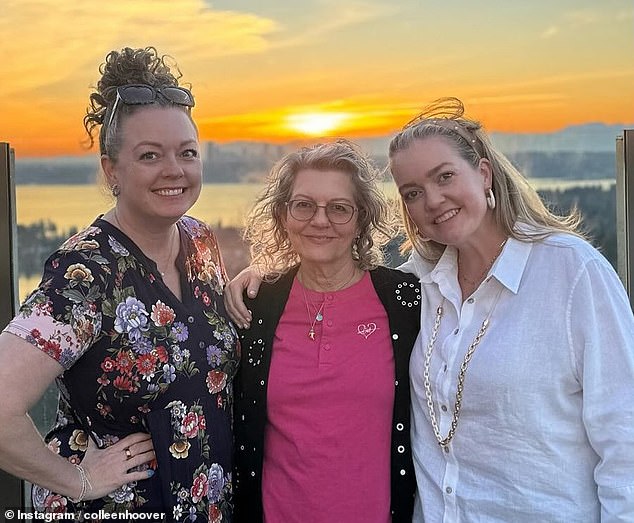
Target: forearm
<point>24,454</point>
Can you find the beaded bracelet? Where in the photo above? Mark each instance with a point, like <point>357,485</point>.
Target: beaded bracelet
<point>85,485</point>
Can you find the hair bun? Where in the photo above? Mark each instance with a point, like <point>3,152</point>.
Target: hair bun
<point>128,66</point>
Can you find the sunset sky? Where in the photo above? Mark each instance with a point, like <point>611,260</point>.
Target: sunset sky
<point>279,70</point>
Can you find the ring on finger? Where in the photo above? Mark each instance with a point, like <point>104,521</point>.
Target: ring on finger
<point>128,454</point>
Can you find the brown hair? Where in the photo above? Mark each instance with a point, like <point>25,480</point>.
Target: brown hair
<point>128,66</point>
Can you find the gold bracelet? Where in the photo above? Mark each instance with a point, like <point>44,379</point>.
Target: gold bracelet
<point>85,485</point>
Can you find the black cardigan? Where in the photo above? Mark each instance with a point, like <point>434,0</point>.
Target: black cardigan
<point>400,295</point>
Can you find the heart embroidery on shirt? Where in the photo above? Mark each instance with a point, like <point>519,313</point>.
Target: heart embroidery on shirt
<point>366,330</point>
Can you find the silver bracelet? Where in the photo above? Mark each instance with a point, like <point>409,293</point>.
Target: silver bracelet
<point>85,485</point>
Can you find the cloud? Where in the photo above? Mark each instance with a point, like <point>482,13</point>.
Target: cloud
<point>46,41</point>
<point>331,16</point>
<point>549,32</point>
<point>581,17</point>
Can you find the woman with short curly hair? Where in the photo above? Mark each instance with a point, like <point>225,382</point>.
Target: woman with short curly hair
<point>322,396</point>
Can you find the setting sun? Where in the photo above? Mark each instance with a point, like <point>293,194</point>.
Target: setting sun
<point>316,124</point>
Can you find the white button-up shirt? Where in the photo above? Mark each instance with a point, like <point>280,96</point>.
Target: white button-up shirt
<point>546,428</point>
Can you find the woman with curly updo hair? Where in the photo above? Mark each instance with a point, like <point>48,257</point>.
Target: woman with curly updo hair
<point>130,322</point>
<point>322,398</point>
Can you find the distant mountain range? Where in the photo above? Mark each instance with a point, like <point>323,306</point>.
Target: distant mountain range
<point>580,151</point>
<point>590,137</point>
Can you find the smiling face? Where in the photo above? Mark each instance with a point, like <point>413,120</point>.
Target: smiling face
<point>158,169</point>
<point>317,241</point>
<point>443,193</point>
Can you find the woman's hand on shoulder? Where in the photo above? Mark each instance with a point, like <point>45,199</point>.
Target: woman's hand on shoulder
<point>248,279</point>
<point>129,459</point>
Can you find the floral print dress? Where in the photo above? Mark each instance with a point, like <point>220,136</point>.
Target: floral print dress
<point>138,359</point>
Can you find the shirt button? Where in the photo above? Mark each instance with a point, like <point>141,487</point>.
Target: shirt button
<point>456,331</point>
<point>403,472</point>
<point>446,449</point>
<point>395,336</point>
<point>329,323</point>
<point>190,319</point>
<point>448,490</point>
<point>470,300</point>
<point>262,382</point>
<point>401,449</point>
<point>399,426</point>
<point>252,474</point>
<point>443,408</point>
<point>445,368</point>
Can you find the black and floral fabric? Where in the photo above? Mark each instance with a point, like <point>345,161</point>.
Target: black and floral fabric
<point>137,358</point>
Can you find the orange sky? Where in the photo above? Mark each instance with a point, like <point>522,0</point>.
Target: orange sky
<point>277,70</point>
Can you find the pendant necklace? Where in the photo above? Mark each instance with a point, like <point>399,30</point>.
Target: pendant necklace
<point>313,320</point>
<point>318,316</point>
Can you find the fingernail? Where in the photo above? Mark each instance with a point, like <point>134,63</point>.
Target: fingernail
<point>251,293</point>
<point>245,326</point>
<point>150,473</point>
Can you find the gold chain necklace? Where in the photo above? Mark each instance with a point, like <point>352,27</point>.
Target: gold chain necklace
<point>444,442</point>
<point>476,282</point>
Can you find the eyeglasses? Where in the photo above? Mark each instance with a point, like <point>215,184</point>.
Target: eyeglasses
<point>143,94</point>
<point>338,213</point>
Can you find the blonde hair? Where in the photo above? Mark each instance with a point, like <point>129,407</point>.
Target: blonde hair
<point>516,200</point>
<point>271,249</point>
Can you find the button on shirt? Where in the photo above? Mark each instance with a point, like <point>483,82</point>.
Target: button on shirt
<point>546,427</point>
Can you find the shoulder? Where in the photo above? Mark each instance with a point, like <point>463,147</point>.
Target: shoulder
<point>396,287</point>
<point>388,276</point>
<point>569,249</point>
<point>91,247</point>
<point>194,228</point>
<point>273,291</point>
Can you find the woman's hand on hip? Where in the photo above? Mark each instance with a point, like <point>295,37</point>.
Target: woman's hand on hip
<point>110,468</point>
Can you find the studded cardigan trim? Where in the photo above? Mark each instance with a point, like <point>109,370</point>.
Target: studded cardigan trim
<point>401,296</point>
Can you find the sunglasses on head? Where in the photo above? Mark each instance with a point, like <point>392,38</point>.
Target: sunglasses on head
<point>142,94</point>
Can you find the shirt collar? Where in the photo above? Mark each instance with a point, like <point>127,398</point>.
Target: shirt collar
<point>508,268</point>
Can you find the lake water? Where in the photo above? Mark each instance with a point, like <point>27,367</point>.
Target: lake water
<point>226,204</point>
<point>75,206</point>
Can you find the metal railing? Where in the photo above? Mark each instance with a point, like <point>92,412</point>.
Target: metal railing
<point>625,210</point>
<point>11,488</point>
